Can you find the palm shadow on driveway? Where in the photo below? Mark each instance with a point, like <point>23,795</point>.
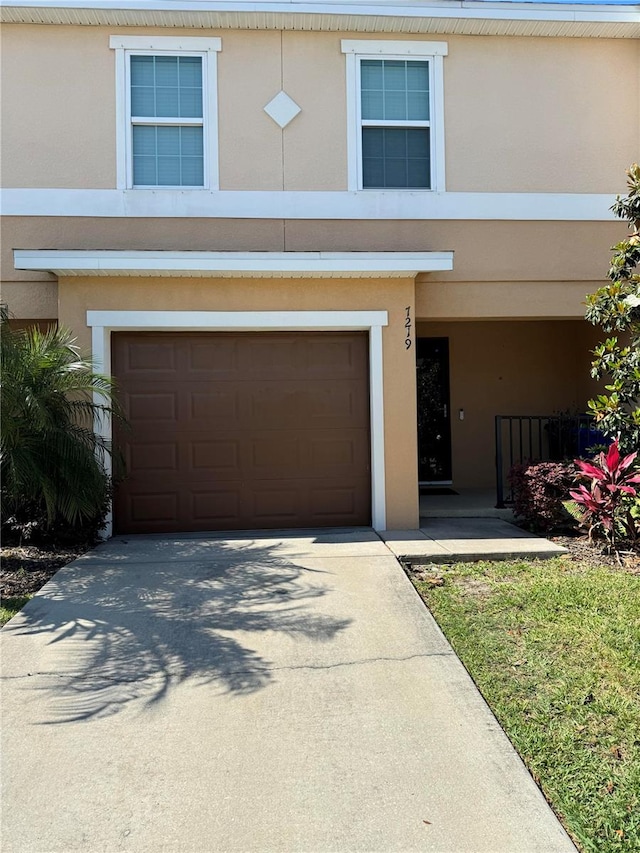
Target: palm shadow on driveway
<point>119,629</point>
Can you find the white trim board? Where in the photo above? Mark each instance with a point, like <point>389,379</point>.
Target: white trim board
<point>102,323</point>
<point>278,204</point>
<point>252,264</point>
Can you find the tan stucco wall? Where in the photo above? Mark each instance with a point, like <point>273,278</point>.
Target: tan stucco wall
<point>521,114</point>
<point>77,295</point>
<point>58,107</point>
<point>483,251</point>
<point>509,368</point>
<point>501,269</point>
<point>30,299</point>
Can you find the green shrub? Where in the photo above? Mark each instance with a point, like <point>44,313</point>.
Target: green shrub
<point>52,461</point>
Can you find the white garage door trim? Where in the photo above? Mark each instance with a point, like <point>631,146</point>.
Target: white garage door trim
<point>102,323</point>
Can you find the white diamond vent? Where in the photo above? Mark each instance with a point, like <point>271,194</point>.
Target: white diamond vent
<point>282,109</point>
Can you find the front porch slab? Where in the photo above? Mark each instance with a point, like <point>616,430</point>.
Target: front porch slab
<point>448,540</point>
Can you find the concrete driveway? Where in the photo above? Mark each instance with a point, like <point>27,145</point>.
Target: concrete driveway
<point>258,694</point>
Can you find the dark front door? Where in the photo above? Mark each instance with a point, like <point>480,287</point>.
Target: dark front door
<point>434,415</point>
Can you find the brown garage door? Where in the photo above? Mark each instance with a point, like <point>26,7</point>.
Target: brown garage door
<point>243,430</point>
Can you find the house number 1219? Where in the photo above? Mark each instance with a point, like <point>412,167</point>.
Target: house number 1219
<point>407,327</point>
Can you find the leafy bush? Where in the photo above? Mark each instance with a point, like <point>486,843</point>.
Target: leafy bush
<point>538,490</point>
<point>607,507</point>
<point>30,523</point>
<point>52,461</point>
<point>616,308</point>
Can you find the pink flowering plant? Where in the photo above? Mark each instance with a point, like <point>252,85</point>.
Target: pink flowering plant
<point>609,505</point>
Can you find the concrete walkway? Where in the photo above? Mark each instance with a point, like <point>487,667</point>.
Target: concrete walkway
<point>447,540</point>
<point>289,693</point>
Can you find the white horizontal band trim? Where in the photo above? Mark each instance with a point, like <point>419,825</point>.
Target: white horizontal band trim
<point>367,204</point>
<point>220,320</point>
<point>392,48</point>
<point>165,43</point>
<point>348,264</point>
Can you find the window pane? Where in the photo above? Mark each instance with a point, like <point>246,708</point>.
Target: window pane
<point>405,160</point>
<point>190,103</point>
<point>372,142</point>
<point>142,70</point>
<point>418,76</point>
<point>169,171</point>
<point>144,171</point>
<point>190,71</point>
<point>143,101</point>
<point>395,75</point>
<point>395,142</point>
<point>372,105</point>
<point>167,86</point>
<point>144,140</point>
<point>418,142</point>
<point>403,86</point>
<point>169,141</point>
<point>371,73</point>
<point>166,102</point>
<point>191,141</point>
<point>372,172</point>
<point>395,106</point>
<point>167,71</point>
<point>418,106</point>
<point>418,174</point>
<point>192,172</point>
<point>395,173</point>
<point>168,156</point>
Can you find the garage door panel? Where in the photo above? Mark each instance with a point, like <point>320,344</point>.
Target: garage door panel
<point>153,507</point>
<point>214,457</point>
<point>216,508</point>
<point>157,456</point>
<point>336,359</point>
<point>214,407</point>
<point>278,405</point>
<point>251,430</point>
<point>217,358</point>
<point>148,358</point>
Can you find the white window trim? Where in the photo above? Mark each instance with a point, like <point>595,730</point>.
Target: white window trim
<point>371,49</point>
<point>102,323</point>
<point>124,47</point>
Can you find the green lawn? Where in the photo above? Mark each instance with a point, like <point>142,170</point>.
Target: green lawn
<point>10,606</point>
<point>554,646</point>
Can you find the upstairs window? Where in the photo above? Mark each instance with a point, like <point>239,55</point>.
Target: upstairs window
<point>394,106</point>
<point>167,109</point>
<point>167,121</point>
<point>395,115</point>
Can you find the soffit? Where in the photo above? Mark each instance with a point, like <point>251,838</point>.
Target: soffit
<point>473,18</point>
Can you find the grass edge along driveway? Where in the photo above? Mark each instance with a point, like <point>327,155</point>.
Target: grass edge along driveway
<point>554,647</point>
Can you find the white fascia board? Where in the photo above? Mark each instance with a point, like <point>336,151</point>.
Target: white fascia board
<point>249,263</point>
<point>360,8</point>
<point>242,320</point>
<point>365,204</point>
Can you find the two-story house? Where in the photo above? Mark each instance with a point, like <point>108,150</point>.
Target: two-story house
<point>320,245</point>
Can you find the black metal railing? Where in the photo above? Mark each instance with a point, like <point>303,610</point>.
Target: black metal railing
<point>539,438</point>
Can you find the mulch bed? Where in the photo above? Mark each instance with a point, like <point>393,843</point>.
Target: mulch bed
<point>25,569</point>
<point>582,551</point>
